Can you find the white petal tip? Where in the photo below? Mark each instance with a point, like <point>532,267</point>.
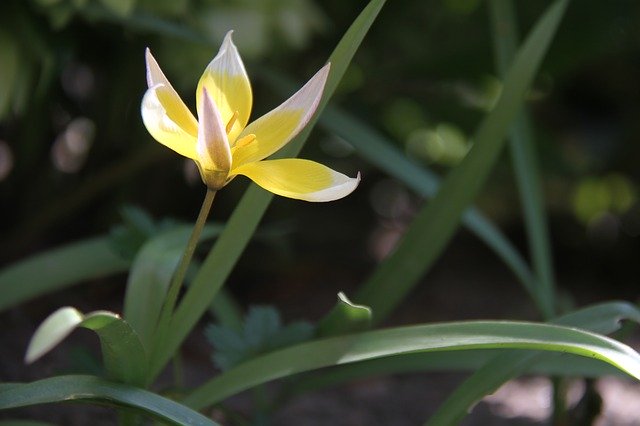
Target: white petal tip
<point>341,189</point>
<point>228,40</point>
<point>326,68</point>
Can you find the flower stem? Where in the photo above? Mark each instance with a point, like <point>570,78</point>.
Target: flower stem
<point>181,271</point>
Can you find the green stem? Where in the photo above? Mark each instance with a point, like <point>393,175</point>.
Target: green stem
<point>181,272</point>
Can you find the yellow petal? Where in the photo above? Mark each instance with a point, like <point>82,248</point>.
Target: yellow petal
<point>214,156</point>
<point>163,120</point>
<point>300,179</point>
<point>225,78</point>
<point>274,129</point>
<point>177,110</point>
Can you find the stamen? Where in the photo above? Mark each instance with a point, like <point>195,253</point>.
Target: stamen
<point>232,121</point>
<point>245,140</point>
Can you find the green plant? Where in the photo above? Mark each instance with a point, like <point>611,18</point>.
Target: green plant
<point>138,347</point>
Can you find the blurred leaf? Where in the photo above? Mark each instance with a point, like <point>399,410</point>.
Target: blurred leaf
<point>10,59</point>
<point>89,388</point>
<point>470,335</point>
<point>291,334</point>
<point>345,317</point>
<point>261,324</point>
<point>138,226</point>
<point>595,196</point>
<point>124,355</point>
<point>60,14</point>
<point>58,268</point>
<point>151,272</point>
<point>230,346</point>
<point>262,332</point>
<point>525,164</point>
<point>244,220</point>
<point>436,223</point>
<point>165,7</point>
<point>444,144</point>
<point>120,7</point>
<point>226,310</point>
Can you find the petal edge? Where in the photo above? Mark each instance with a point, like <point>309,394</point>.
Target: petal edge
<point>276,128</point>
<point>300,179</point>
<point>162,126</point>
<point>227,82</point>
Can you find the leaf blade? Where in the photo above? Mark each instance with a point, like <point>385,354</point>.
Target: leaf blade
<point>602,318</point>
<point>403,340</point>
<point>72,388</point>
<point>58,268</point>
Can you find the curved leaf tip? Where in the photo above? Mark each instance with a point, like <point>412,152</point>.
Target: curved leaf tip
<point>124,355</point>
<point>52,331</point>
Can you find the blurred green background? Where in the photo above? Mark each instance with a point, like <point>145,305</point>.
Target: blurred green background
<point>73,150</point>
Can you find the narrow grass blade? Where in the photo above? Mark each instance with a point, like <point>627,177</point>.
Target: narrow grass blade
<point>89,388</point>
<point>403,340</point>
<point>524,159</point>
<point>124,356</point>
<point>244,220</point>
<point>435,224</point>
<point>58,268</point>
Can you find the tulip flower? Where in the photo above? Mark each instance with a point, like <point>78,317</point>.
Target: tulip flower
<point>221,142</point>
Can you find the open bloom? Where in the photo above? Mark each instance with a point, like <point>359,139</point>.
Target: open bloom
<point>224,146</point>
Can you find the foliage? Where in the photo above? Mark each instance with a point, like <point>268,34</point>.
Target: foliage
<point>262,332</point>
<point>437,123</point>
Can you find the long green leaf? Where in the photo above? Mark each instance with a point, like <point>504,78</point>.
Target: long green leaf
<point>604,318</point>
<point>403,340</point>
<point>124,356</point>
<point>244,220</point>
<point>78,388</point>
<point>435,224</point>
<point>58,268</point>
<point>524,159</point>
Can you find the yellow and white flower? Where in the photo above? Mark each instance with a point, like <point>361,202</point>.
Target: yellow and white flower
<point>224,146</point>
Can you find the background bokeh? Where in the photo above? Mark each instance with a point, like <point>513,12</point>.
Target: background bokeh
<point>73,150</point>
